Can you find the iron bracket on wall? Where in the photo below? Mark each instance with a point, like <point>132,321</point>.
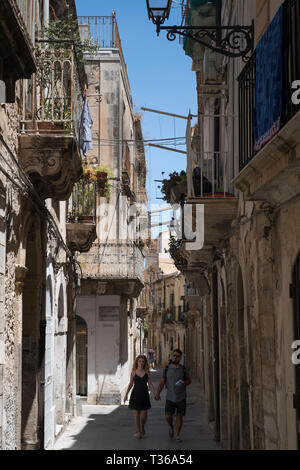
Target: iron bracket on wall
<point>231,41</point>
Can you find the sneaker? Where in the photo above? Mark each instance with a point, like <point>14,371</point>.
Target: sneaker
<point>178,439</point>
<point>171,432</point>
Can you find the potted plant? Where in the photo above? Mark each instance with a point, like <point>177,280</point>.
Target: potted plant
<point>83,201</point>
<point>99,174</point>
<point>174,250</point>
<point>175,187</point>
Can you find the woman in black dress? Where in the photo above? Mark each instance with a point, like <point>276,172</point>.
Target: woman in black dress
<point>139,400</point>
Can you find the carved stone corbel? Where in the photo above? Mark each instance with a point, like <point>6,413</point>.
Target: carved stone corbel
<point>52,162</point>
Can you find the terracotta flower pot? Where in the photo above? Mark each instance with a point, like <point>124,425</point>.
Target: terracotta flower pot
<point>101,191</point>
<point>101,175</point>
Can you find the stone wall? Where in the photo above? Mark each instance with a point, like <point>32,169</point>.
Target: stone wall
<point>9,319</point>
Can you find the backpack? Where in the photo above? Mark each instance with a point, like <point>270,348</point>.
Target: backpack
<point>166,370</point>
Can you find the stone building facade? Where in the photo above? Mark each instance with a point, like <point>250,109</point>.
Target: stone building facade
<point>113,270</point>
<point>246,274</point>
<point>40,162</point>
<point>166,306</point>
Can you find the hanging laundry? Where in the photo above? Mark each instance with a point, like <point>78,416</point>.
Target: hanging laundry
<point>86,122</point>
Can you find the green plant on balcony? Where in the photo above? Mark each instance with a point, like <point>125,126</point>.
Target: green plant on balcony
<point>99,174</point>
<point>82,202</point>
<point>174,244</point>
<point>54,72</point>
<point>175,180</point>
<point>174,250</point>
<point>67,28</point>
<point>166,316</point>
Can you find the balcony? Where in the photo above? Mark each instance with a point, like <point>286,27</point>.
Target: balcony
<point>81,216</point>
<point>209,190</point>
<point>219,213</point>
<point>116,267</point>
<point>270,168</point>
<point>103,31</point>
<point>169,315</point>
<point>181,316</point>
<point>17,23</point>
<point>51,111</point>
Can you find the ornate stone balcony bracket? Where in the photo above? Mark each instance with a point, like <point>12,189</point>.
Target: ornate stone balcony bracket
<point>52,162</point>
<point>80,237</point>
<point>273,173</point>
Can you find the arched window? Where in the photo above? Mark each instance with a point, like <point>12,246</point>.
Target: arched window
<point>81,356</point>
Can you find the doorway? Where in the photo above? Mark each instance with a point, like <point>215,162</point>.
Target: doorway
<point>32,414</point>
<point>243,380</point>
<point>81,356</point>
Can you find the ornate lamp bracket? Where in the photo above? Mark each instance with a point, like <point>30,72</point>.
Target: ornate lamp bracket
<point>231,41</point>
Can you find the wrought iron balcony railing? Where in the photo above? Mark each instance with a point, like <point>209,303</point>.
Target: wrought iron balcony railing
<point>119,260</point>
<point>181,316</point>
<point>53,101</point>
<point>290,73</point>
<point>212,179</point>
<point>170,315</point>
<point>81,207</point>
<point>103,31</point>
<point>100,29</point>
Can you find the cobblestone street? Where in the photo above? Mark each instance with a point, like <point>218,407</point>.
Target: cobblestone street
<point>112,427</point>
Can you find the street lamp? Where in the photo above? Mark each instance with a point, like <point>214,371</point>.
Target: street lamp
<point>231,41</point>
<point>158,11</point>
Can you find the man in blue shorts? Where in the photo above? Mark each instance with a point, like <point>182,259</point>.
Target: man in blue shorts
<point>176,379</point>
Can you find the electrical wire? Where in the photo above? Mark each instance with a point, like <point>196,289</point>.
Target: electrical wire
<point>144,140</point>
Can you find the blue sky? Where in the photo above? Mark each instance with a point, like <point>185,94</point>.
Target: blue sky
<point>160,76</point>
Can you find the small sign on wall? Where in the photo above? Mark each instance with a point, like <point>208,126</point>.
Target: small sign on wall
<point>109,314</point>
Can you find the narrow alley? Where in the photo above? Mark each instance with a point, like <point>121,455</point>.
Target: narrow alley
<point>149,215</point>
<point>112,427</point>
